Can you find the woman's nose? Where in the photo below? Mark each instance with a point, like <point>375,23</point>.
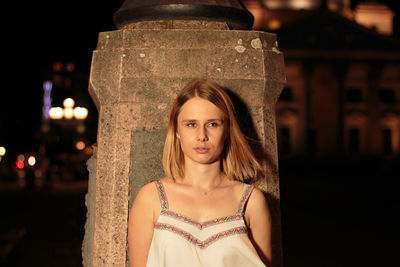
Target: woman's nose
<point>202,135</point>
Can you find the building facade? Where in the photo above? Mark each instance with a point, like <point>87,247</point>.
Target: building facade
<point>342,98</point>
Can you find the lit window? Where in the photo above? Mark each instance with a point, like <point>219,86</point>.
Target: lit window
<point>57,80</point>
<point>291,4</point>
<point>57,66</point>
<point>274,24</point>
<point>70,67</point>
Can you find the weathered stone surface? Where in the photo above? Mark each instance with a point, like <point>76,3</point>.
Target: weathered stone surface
<point>177,24</point>
<point>147,147</point>
<point>135,76</point>
<point>87,244</point>
<point>187,39</point>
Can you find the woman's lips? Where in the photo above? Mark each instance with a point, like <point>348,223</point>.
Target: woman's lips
<point>201,150</point>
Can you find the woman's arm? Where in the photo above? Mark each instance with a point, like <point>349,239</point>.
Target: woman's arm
<point>258,219</point>
<point>141,224</point>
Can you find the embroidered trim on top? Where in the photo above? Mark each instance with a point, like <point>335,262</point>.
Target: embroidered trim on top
<point>244,198</point>
<point>201,225</point>
<point>162,195</point>
<point>196,241</point>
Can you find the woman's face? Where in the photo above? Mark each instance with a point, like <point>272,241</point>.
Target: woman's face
<point>201,131</point>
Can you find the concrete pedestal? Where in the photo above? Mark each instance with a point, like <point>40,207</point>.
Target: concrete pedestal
<point>136,74</point>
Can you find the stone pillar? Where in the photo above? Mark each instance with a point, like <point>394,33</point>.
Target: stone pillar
<point>136,73</point>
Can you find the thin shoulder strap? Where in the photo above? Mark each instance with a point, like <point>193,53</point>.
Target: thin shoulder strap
<point>161,195</point>
<point>245,197</point>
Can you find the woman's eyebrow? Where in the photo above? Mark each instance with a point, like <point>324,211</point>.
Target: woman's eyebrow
<point>219,120</point>
<point>193,120</point>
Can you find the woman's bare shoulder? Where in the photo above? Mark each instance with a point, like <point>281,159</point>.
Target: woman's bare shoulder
<point>147,190</point>
<point>147,194</point>
<point>257,204</point>
<point>257,198</point>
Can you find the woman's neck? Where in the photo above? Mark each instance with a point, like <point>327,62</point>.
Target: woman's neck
<point>204,176</point>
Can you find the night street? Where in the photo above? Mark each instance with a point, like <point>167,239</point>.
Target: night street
<point>42,228</point>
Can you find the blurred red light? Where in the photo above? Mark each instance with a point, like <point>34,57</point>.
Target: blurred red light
<point>19,164</point>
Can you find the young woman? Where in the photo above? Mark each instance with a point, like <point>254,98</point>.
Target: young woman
<point>201,213</point>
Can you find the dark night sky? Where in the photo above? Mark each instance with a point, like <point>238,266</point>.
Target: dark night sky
<point>34,35</point>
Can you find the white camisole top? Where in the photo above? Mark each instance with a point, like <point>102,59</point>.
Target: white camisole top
<point>179,241</point>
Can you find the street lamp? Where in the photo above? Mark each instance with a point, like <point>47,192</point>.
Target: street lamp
<point>68,112</point>
<point>2,151</point>
<point>68,108</point>
<point>80,113</point>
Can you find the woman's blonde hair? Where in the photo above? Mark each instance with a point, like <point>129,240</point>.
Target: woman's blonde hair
<point>237,159</point>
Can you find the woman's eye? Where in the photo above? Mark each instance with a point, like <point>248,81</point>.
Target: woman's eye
<point>213,124</point>
<point>192,124</point>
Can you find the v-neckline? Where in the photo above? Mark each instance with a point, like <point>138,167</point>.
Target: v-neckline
<point>238,215</point>
<point>200,224</point>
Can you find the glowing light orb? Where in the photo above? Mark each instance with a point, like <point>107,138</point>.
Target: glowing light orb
<point>56,113</point>
<point>68,102</point>
<point>2,150</point>
<point>80,113</point>
<point>80,145</point>
<point>31,161</point>
<point>68,113</point>
<point>20,164</point>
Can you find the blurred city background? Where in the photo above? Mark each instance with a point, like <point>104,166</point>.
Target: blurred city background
<point>338,128</point>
